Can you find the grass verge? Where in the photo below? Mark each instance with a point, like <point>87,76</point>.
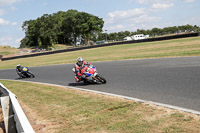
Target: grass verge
<point>7,50</point>
<point>169,48</point>
<point>61,110</point>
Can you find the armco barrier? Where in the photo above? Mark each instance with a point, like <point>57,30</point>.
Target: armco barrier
<point>1,56</point>
<point>15,120</point>
<point>107,44</point>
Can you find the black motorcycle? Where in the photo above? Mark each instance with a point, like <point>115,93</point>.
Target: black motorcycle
<point>25,73</point>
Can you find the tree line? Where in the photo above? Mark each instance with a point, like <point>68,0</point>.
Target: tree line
<point>116,36</point>
<point>67,27</point>
<point>72,27</point>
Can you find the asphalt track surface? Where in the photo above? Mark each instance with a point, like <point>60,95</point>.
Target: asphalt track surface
<point>171,81</point>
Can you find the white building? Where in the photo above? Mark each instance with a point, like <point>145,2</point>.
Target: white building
<point>140,36</point>
<point>136,37</point>
<point>128,38</point>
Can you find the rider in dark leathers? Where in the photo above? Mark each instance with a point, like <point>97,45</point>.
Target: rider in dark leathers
<point>19,70</point>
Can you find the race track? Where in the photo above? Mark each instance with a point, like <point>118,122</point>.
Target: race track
<point>172,81</point>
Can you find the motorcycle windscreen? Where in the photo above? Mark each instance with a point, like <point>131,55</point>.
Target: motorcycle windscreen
<point>25,69</point>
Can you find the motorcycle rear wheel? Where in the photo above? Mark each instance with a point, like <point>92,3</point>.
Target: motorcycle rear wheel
<point>85,81</point>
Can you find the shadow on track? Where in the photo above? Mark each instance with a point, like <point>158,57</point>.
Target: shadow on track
<point>82,84</point>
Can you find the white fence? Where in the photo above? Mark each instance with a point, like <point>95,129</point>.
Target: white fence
<point>15,120</point>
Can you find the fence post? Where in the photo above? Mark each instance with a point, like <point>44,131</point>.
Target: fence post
<point>8,115</point>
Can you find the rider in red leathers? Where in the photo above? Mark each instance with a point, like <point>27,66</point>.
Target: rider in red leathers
<point>80,63</point>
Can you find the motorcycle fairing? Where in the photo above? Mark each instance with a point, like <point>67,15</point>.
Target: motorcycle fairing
<point>25,69</point>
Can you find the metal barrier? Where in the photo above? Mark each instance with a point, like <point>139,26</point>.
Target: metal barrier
<point>1,56</point>
<point>108,44</point>
<point>15,120</point>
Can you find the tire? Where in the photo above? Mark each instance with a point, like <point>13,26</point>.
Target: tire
<point>31,75</point>
<point>85,81</point>
<point>101,79</point>
<point>21,75</point>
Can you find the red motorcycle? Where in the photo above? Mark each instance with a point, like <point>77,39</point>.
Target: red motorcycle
<point>90,75</point>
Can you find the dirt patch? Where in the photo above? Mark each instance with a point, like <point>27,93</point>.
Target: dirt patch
<point>38,124</point>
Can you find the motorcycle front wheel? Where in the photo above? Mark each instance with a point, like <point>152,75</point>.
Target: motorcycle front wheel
<point>31,75</point>
<point>101,79</point>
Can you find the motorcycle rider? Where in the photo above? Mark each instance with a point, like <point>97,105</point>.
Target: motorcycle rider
<point>80,63</point>
<point>19,70</point>
<point>24,72</point>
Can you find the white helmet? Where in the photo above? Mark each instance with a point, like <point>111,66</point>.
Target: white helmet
<point>80,60</point>
<point>18,65</point>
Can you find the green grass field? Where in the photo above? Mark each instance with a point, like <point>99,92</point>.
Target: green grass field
<point>170,48</point>
<point>62,110</point>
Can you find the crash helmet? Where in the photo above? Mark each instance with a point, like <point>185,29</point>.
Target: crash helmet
<point>18,65</point>
<point>80,60</point>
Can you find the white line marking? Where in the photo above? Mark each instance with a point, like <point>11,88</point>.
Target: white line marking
<point>121,96</point>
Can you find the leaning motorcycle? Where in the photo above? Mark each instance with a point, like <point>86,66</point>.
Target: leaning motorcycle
<point>90,75</point>
<point>26,73</point>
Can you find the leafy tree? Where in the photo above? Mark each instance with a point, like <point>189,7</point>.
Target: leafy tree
<point>61,27</point>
